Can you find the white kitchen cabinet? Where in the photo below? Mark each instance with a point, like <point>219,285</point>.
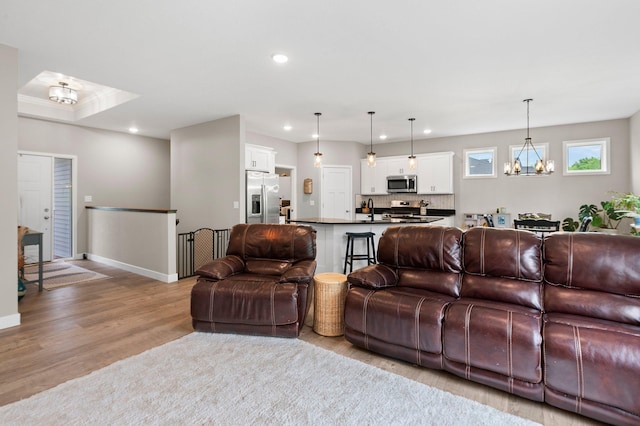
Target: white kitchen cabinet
<point>435,173</point>
<point>373,180</point>
<point>259,158</point>
<point>399,166</point>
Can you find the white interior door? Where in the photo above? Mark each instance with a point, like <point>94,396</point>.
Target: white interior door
<point>337,200</point>
<point>34,201</point>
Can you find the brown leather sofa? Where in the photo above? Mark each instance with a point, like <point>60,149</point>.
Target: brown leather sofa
<point>261,286</point>
<point>555,320</point>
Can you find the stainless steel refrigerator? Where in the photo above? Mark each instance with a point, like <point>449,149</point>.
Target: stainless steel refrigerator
<point>263,204</point>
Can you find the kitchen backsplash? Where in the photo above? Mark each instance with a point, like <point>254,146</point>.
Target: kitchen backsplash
<point>446,201</point>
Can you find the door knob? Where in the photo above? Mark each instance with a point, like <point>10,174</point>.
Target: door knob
<point>46,217</point>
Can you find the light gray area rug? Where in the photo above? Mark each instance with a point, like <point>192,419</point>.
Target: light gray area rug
<point>238,380</point>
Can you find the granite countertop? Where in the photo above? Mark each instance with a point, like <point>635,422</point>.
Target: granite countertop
<point>413,210</point>
<point>389,221</point>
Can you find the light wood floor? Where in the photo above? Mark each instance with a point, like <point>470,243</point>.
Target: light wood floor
<point>69,332</point>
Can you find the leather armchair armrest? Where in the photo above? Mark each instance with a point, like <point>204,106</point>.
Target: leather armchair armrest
<point>219,269</point>
<point>373,276</point>
<point>300,272</point>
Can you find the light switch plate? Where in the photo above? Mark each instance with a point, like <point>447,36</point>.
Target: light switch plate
<point>88,198</point>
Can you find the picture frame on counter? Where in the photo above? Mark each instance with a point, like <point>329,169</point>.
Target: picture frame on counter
<point>586,157</point>
<point>480,163</point>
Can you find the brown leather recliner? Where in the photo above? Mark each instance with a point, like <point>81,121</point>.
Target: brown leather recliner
<point>493,333</point>
<point>396,307</point>
<point>261,286</point>
<point>592,325</point>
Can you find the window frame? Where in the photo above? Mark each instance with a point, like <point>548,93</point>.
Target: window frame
<point>603,143</point>
<point>492,151</point>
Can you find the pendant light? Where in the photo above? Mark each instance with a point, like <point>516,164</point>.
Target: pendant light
<point>317,161</point>
<point>371,156</point>
<point>412,158</point>
<point>540,168</point>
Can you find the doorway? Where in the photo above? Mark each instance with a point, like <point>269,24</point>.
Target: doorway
<point>287,192</point>
<point>336,198</point>
<point>46,197</point>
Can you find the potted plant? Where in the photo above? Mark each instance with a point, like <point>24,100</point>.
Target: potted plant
<point>606,217</point>
<point>628,205</point>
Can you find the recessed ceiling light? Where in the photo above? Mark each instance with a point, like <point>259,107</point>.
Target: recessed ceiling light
<point>315,136</point>
<point>383,137</point>
<point>287,127</point>
<point>133,129</point>
<point>427,131</point>
<point>279,58</point>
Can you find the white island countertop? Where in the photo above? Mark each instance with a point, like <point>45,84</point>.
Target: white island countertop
<point>331,238</point>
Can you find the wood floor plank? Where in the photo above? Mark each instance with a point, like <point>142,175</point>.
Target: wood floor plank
<point>71,331</point>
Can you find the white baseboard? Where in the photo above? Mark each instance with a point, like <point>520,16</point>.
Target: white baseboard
<point>167,278</point>
<point>9,321</point>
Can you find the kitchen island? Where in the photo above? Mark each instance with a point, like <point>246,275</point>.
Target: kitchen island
<point>331,238</point>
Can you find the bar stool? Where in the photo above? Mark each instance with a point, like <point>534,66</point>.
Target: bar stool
<point>349,256</point>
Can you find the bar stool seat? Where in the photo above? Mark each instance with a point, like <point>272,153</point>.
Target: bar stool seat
<point>350,256</point>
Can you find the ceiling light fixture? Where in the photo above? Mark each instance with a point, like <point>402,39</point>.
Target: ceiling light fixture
<point>539,168</point>
<point>371,156</point>
<point>287,127</point>
<point>427,131</point>
<point>63,94</point>
<point>383,137</point>
<point>280,58</point>
<point>317,161</point>
<point>412,158</point>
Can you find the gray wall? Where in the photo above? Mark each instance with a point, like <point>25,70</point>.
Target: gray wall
<point>333,154</point>
<point>556,194</point>
<point>287,152</point>
<point>207,174</point>
<point>116,169</point>
<point>634,158</point>
<point>8,186</point>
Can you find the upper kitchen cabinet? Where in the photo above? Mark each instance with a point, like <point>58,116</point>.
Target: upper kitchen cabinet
<point>435,173</point>
<point>259,158</point>
<point>398,166</point>
<point>373,180</point>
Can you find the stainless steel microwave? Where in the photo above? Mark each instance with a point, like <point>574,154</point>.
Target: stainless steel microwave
<point>405,183</point>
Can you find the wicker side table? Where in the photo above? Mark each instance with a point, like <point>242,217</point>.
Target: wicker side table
<point>328,304</point>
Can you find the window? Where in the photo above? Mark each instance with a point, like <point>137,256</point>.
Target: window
<point>586,157</point>
<point>528,156</point>
<point>480,163</point>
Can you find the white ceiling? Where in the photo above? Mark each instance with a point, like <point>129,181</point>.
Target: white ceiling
<point>457,66</point>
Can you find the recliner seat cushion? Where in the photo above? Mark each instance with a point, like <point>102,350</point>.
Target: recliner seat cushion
<point>245,301</point>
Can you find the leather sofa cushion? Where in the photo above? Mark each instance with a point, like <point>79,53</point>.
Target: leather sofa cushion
<point>498,337</point>
<point>507,290</point>
<point>421,247</point>
<point>268,241</point>
<point>266,266</point>
<point>503,253</point>
<point>593,359</point>
<point>246,300</point>
<point>404,316</point>
<point>374,276</point>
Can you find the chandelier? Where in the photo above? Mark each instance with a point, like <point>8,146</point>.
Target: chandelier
<point>63,94</point>
<point>540,167</point>
<point>317,161</point>
<point>371,156</point>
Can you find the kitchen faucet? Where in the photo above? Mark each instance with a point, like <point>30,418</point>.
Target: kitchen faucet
<point>370,206</point>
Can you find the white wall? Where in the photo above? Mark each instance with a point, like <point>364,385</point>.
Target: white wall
<point>116,169</point>
<point>556,194</point>
<point>207,174</point>
<point>9,315</point>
